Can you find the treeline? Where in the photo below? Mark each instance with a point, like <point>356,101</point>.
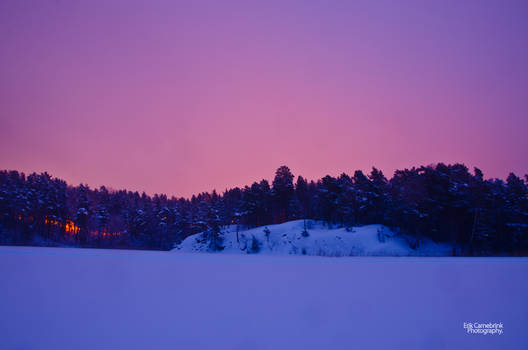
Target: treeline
<point>446,203</point>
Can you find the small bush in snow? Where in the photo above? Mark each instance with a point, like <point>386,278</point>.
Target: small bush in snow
<point>267,233</point>
<point>255,245</point>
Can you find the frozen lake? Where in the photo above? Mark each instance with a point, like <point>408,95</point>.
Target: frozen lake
<point>61,298</point>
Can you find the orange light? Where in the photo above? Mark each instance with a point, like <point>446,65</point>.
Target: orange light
<point>70,227</point>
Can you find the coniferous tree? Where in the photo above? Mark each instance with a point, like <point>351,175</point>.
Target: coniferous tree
<point>283,195</point>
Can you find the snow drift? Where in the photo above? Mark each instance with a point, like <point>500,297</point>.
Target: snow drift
<point>290,238</point>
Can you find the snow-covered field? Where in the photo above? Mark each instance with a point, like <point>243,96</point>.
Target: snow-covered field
<point>62,298</point>
<point>287,239</point>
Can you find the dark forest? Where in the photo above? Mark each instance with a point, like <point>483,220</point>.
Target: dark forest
<point>446,203</point>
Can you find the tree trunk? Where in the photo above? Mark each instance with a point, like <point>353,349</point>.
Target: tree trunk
<point>473,230</point>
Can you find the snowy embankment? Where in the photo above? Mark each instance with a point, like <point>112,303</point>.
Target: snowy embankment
<point>67,298</point>
<point>288,239</point>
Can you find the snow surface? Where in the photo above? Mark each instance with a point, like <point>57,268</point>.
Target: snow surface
<point>287,238</point>
<point>67,298</point>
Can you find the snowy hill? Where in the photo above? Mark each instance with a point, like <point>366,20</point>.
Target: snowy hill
<point>288,239</point>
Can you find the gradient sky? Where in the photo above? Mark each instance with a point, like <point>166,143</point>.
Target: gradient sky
<point>180,97</point>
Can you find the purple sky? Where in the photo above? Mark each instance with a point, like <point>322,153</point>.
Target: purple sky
<point>182,97</point>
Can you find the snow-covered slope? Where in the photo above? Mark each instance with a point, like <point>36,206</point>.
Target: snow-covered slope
<point>288,238</point>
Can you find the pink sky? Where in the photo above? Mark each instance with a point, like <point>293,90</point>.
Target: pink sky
<point>183,97</point>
